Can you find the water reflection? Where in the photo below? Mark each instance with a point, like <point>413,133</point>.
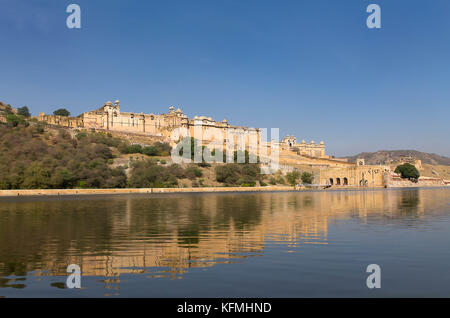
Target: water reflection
<point>164,236</point>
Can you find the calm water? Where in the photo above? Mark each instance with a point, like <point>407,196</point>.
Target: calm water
<point>310,244</point>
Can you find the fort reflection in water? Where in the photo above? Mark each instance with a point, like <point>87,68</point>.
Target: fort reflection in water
<point>164,236</point>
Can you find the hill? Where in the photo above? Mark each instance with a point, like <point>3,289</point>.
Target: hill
<point>6,109</point>
<point>389,156</point>
<point>38,156</point>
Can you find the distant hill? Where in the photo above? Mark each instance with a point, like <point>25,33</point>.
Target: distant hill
<point>387,156</point>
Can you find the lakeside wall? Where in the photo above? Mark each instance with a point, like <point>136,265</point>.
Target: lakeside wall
<point>422,182</point>
<point>69,192</point>
<point>56,192</point>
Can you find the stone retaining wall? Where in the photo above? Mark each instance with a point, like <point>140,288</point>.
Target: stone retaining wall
<point>404,183</point>
<point>55,192</point>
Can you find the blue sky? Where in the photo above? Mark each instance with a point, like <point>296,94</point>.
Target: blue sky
<point>311,68</point>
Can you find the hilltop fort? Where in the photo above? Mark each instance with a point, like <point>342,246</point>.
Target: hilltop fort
<point>293,155</point>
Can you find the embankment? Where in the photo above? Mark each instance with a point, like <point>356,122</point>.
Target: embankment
<point>56,192</point>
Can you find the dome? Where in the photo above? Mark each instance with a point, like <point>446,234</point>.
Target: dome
<point>322,143</point>
<point>108,103</point>
<point>312,142</point>
<point>303,141</point>
<point>178,111</point>
<point>117,101</point>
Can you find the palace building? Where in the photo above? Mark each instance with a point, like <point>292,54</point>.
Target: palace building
<point>172,126</point>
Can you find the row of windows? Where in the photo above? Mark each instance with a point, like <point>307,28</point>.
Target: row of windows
<point>339,181</point>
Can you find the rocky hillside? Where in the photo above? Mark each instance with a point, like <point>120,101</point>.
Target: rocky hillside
<point>36,156</point>
<point>7,109</point>
<point>388,156</point>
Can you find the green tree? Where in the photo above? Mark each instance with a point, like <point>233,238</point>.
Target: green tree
<point>408,171</point>
<point>15,120</point>
<point>150,151</point>
<point>292,177</point>
<point>135,149</point>
<point>307,178</point>
<point>36,176</point>
<point>146,174</point>
<point>23,111</point>
<point>228,173</point>
<point>61,112</point>
<point>244,175</point>
<point>164,149</point>
<point>193,172</point>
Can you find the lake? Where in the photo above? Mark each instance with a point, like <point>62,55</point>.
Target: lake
<point>280,244</point>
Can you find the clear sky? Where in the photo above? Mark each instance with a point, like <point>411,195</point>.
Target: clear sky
<point>311,68</point>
